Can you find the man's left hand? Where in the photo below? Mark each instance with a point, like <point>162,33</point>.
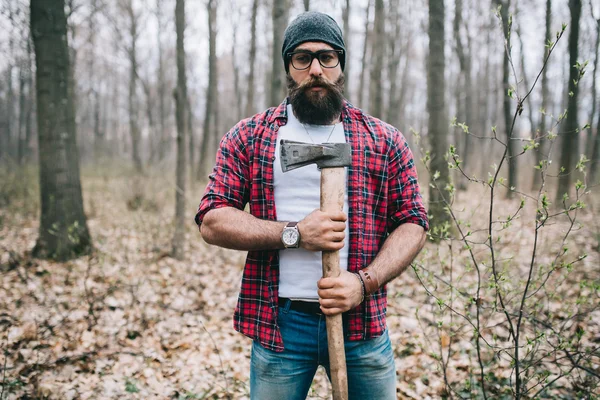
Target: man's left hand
<point>339,294</point>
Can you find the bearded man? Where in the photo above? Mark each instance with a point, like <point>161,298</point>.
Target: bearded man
<point>283,300</point>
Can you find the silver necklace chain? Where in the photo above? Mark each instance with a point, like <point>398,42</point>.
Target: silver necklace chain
<point>328,137</point>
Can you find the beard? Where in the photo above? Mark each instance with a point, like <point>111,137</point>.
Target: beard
<point>320,107</point>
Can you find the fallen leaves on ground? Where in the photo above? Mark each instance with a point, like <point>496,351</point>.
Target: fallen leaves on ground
<point>131,322</point>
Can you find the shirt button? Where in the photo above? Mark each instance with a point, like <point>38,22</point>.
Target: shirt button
<point>275,127</point>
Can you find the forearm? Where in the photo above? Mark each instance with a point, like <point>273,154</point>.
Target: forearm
<point>235,229</point>
<point>397,253</point>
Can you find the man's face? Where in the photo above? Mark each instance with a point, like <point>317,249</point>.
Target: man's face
<point>316,93</point>
<point>315,70</point>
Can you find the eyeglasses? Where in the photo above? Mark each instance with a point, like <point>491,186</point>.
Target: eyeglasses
<point>302,59</point>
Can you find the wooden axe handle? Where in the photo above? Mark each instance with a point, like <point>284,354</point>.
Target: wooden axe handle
<point>332,199</point>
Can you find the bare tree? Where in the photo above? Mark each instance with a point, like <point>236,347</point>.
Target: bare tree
<point>438,119</point>
<point>280,17</point>
<point>25,105</point>
<point>209,139</point>
<point>236,68</point>
<point>6,138</point>
<point>126,6</point>
<point>147,88</point>
<point>375,87</point>
<point>363,73</point>
<point>63,231</point>
<point>393,61</point>
<point>346,20</point>
<point>510,143</point>
<point>465,92</point>
<point>541,153</point>
<point>134,129</point>
<point>593,141</point>
<point>570,142</point>
<point>181,103</point>
<point>250,107</point>
<point>529,105</point>
<point>163,142</point>
<point>306,5</point>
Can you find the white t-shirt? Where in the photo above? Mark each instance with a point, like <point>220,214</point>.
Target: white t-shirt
<point>297,194</point>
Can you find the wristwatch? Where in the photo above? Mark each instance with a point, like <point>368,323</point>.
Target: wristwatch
<point>291,235</point>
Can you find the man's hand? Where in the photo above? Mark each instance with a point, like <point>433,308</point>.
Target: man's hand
<point>322,231</point>
<point>340,294</point>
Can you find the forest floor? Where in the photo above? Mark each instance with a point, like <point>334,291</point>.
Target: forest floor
<point>131,322</point>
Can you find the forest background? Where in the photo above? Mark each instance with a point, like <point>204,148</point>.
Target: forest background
<point>110,116</point>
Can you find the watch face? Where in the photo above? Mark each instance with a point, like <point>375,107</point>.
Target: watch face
<point>290,236</point>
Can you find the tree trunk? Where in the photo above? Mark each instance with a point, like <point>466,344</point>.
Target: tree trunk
<point>541,153</point>
<point>363,72</point>
<point>393,62</point>
<point>63,232</point>
<point>24,103</point>
<point>593,141</point>
<point>346,20</point>
<point>151,124</point>
<point>93,95</point>
<point>595,167</point>
<point>7,144</point>
<point>30,104</point>
<point>134,129</point>
<point>399,119</point>
<point>208,150</point>
<point>512,161</point>
<point>306,5</point>
<point>250,107</point>
<point>570,143</point>
<point>376,91</point>
<point>529,105</point>
<point>236,75</point>
<point>438,119</point>
<point>190,132</point>
<point>464,59</point>
<point>164,141</point>
<point>181,101</point>
<point>280,16</point>
<point>488,98</point>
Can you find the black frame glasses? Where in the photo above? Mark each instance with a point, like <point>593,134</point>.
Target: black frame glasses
<point>317,55</point>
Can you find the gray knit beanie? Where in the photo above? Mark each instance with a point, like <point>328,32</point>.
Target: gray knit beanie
<point>312,26</point>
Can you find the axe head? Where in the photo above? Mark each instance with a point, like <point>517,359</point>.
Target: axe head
<point>326,155</point>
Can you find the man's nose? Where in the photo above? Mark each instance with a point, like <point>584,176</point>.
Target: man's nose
<point>315,67</point>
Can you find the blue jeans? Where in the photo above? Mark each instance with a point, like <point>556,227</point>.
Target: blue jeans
<point>289,374</point>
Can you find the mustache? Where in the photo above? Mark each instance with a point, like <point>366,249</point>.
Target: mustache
<point>316,82</point>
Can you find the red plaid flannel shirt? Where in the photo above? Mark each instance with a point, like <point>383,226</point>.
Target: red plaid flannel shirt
<point>382,193</point>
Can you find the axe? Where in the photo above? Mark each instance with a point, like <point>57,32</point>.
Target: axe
<point>330,158</point>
